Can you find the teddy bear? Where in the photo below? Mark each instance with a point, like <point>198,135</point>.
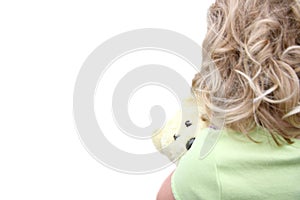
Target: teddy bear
<point>178,134</point>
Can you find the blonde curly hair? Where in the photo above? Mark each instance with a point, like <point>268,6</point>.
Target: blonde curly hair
<point>251,66</point>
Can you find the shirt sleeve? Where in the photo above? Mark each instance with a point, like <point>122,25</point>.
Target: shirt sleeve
<point>196,178</point>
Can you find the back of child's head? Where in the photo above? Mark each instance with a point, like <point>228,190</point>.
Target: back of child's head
<point>251,66</point>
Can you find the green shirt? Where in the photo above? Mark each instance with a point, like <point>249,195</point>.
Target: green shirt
<point>227,165</point>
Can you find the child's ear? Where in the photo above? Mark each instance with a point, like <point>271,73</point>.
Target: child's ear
<point>204,118</point>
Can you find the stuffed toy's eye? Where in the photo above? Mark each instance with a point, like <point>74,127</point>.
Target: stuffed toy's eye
<point>176,136</point>
<point>189,143</point>
<point>188,123</point>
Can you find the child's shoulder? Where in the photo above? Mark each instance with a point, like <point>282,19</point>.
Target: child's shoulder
<point>232,145</point>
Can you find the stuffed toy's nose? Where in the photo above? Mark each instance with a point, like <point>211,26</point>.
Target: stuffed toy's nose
<point>189,143</point>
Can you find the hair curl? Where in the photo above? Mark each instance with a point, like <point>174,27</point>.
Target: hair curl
<point>251,66</point>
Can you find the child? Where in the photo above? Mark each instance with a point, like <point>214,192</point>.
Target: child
<point>249,82</point>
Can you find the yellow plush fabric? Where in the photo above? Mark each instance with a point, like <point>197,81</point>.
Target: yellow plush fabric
<point>191,113</point>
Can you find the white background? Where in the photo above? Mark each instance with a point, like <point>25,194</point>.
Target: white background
<point>42,47</point>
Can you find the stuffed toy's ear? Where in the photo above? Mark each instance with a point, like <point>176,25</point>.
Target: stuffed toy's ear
<point>178,134</point>
<point>167,134</point>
